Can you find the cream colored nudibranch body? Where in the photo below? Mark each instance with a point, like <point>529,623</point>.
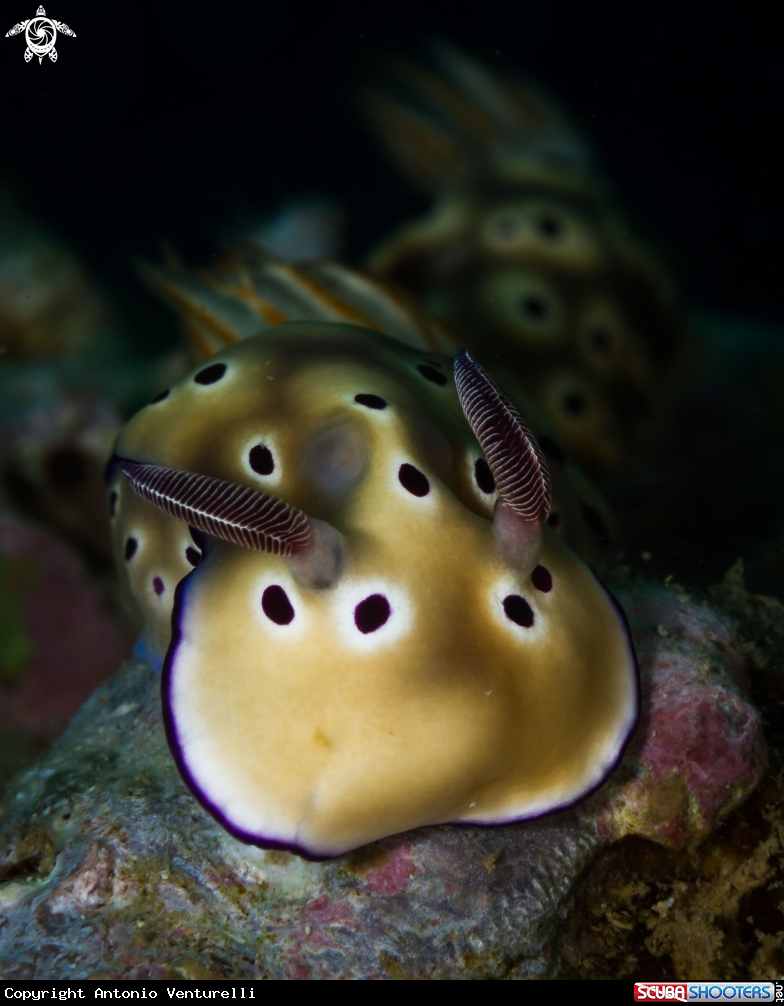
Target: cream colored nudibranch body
<point>431,680</point>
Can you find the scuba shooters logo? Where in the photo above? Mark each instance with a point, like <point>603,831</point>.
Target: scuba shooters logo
<point>40,35</point>
<point>649,992</point>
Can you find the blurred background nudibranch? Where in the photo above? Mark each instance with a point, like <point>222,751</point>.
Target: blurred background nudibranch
<point>526,255</point>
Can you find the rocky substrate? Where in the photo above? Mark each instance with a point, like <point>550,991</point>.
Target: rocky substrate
<point>60,637</point>
<point>110,869</point>
<point>713,911</point>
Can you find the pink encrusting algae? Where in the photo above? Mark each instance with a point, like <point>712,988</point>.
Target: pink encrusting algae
<point>699,749</point>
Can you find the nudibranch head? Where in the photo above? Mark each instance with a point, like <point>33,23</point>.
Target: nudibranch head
<point>368,624</point>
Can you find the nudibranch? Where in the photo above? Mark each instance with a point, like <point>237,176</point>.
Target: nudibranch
<point>249,291</point>
<point>525,256</point>
<point>341,544</point>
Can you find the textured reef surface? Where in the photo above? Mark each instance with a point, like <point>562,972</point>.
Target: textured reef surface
<point>110,869</point>
<point>59,637</point>
<point>710,912</point>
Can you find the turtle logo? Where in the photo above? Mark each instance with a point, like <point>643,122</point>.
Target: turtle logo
<point>40,33</point>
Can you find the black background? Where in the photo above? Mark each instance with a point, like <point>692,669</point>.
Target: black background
<point>166,120</point>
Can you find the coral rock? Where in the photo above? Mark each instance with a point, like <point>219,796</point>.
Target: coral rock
<point>109,868</point>
<point>698,751</point>
<point>59,638</point>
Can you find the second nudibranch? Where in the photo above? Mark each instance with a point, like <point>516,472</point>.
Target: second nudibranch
<point>341,546</point>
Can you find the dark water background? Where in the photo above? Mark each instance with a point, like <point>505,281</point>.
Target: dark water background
<point>170,120</point>
<point>162,119</point>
